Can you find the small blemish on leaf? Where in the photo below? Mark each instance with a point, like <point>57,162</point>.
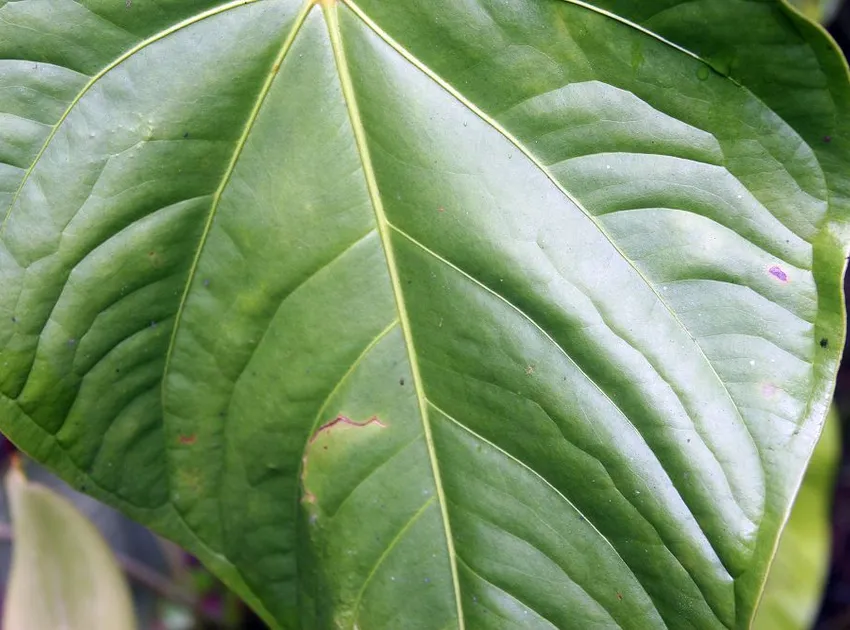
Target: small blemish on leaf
<point>14,320</point>
<point>441,209</point>
<point>777,272</point>
<point>529,370</point>
<point>153,324</point>
<point>824,342</point>
<point>401,382</point>
<point>186,134</point>
<point>206,282</point>
<point>827,139</point>
<point>72,342</point>
<point>346,420</point>
<point>188,440</point>
<point>620,596</point>
<point>326,430</point>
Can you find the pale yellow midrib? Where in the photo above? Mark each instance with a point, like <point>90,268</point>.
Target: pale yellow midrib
<point>331,15</point>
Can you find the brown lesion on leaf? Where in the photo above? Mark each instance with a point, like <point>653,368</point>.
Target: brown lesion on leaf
<point>307,496</point>
<point>325,431</point>
<point>188,440</point>
<point>346,420</point>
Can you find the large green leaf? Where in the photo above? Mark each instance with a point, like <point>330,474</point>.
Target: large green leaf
<point>444,314</point>
<point>794,588</point>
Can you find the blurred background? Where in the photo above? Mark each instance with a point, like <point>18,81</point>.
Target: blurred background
<point>170,590</point>
<point>808,587</point>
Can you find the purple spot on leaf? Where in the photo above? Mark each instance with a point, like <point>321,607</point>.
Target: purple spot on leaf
<point>776,272</point>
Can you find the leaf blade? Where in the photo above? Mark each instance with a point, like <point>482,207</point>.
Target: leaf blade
<point>490,158</point>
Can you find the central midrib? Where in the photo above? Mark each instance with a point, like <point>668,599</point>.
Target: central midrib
<point>332,18</point>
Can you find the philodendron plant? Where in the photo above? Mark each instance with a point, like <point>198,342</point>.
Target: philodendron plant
<point>407,314</point>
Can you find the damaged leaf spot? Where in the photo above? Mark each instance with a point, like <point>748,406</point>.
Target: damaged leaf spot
<point>345,420</point>
<point>328,452</point>
<point>824,343</point>
<point>777,272</point>
<point>188,440</point>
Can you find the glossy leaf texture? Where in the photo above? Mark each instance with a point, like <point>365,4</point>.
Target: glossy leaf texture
<point>63,574</point>
<point>428,315</point>
<point>795,584</point>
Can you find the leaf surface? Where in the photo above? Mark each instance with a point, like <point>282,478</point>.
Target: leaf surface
<point>430,315</point>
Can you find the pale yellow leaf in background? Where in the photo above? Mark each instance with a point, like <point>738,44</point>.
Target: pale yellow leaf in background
<point>64,575</point>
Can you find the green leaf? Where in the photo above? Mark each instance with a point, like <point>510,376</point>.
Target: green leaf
<point>445,314</point>
<point>63,573</point>
<point>794,588</point>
